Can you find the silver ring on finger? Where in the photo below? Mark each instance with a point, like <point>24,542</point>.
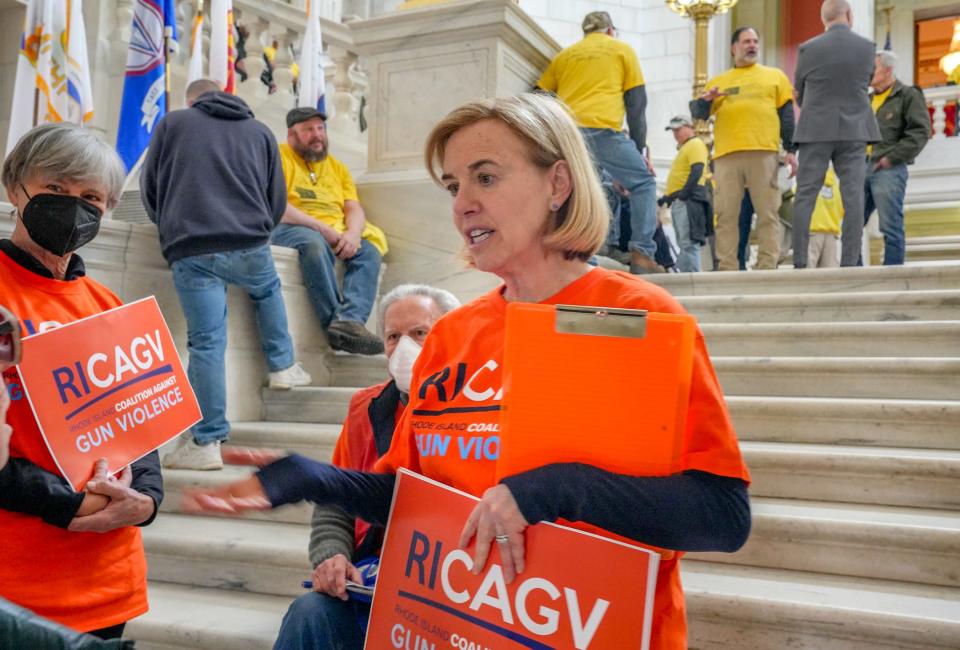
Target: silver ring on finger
<point>502,539</point>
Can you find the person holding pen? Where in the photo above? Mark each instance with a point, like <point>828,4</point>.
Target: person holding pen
<point>530,209</point>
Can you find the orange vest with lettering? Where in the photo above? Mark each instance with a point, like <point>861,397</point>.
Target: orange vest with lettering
<point>86,581</point>
<point>457,391</point>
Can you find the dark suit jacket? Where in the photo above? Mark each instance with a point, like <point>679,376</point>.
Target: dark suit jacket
<point>832,81</point>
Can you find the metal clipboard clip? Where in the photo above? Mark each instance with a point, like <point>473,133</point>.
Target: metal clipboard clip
<point>601,321</point>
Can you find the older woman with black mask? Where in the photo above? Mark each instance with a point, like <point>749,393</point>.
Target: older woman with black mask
<point>74,557</point>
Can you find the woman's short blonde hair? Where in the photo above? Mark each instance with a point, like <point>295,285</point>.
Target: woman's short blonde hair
<point>579,227</point>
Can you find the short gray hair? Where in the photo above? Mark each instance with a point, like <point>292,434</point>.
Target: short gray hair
<point>60,150</point>
<point>443,299</point>
<point>888,59</point>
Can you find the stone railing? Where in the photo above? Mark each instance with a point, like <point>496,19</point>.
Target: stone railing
<point>945,102</point>
<point>283,21</point>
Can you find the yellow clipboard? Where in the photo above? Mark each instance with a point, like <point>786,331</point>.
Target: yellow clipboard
<point>606,387</point>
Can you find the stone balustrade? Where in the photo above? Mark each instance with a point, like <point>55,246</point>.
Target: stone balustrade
<point>941,99</point>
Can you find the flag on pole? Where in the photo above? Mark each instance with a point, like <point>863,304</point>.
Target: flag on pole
<point>312,85</point>
<point>222,50</point>
<point>53,75</point>
<point>195,71</point>
<point>145,86</point>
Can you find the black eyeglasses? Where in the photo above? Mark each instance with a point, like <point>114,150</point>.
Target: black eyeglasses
<point>9,338</point>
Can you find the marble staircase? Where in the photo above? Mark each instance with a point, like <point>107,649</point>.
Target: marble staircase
<point>845,390</point>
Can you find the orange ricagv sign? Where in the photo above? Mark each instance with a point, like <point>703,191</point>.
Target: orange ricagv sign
<point>578,590</point>
<point>107,386</point>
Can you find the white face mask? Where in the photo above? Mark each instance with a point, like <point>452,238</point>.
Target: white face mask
<point>401,362</point>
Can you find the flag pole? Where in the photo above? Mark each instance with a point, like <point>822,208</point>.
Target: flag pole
<point>167,35</point>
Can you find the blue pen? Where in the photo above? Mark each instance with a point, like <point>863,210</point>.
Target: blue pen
<point>307,584</point>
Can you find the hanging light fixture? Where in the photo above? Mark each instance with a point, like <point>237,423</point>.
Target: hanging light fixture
<point>949,62</point>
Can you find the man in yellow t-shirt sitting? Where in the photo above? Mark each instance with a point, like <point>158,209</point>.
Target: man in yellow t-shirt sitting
<point>325,222</point>
<point>599,79</point>
<point>753,105</point>
<point>686,193</point>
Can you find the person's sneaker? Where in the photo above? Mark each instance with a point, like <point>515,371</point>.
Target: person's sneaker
<point>640,264</point>
<point>289,378</point>
<point>615,254</point>
<point>351,336</point>
<point>190,455</point>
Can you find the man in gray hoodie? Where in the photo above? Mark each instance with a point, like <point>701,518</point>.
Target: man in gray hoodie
<point>213,184</point>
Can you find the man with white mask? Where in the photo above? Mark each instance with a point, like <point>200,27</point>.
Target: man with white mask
<point>327,617</point>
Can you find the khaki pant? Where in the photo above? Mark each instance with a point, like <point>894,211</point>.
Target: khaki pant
<point>822,251</point>
<point>755,171</point>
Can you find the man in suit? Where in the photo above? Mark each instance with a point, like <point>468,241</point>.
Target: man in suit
<point>836,124</point>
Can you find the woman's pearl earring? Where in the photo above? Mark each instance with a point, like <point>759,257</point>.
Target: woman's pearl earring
<point>554,207</point>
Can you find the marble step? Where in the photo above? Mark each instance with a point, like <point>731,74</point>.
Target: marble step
<point>934,378</point>
<point>356,369</point>
<point>918,378</point>
<point>868,541</point>
<point>175,480</point>
<point>182,617</point>
<point>231,554</point>
<point>729,608</point>
<point>919,424</point>
<point>869,475</point>
<point>787,281</point>
<point>853,339</point>
<point>313,440</point>
<point>322,404</point>
<point>732,607</point>
<point>827,307</point>
<point>933,248</point>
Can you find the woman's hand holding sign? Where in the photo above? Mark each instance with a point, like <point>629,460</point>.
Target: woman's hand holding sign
<point>124,507</point>
<point>497,518</point>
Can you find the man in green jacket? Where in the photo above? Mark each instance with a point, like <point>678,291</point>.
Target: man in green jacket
<point>904,130</point>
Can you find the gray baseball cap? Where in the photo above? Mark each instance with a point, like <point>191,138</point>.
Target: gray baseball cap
<point>677,121</point>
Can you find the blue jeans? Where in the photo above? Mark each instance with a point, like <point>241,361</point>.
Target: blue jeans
<point>619,156</point>
<point>319,274</point>
<point>884,191</point>
<point>319,622</point>
<point>201,283</point>
<point>689,259</point>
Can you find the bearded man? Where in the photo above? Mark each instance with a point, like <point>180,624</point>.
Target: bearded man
<point>325,222</point>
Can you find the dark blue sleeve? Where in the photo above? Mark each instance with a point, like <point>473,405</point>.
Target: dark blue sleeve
<point>691,511</point>
<point>361,494</point>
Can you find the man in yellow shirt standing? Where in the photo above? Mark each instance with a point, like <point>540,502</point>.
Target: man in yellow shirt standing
<point>325,222</point>
<point>753,105</point>
<point>600,80</point>
<point>828,211</point>
<point>686,193</point>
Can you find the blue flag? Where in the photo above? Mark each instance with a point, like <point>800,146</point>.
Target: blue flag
<point>144,88</point>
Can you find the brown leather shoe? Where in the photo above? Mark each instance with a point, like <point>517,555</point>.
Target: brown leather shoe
<point>351,336</point>
<point>640,264</point>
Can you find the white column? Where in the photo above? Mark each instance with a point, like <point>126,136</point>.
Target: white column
<point>864,14</point>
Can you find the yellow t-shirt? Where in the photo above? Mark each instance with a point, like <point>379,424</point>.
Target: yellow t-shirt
<point>746,119</point>
<point>591,77</point>
<point>322,195</point>
<point>690,153</point>
<point>828,212</point>
<point>875,103</point>
<point>270,52</point>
